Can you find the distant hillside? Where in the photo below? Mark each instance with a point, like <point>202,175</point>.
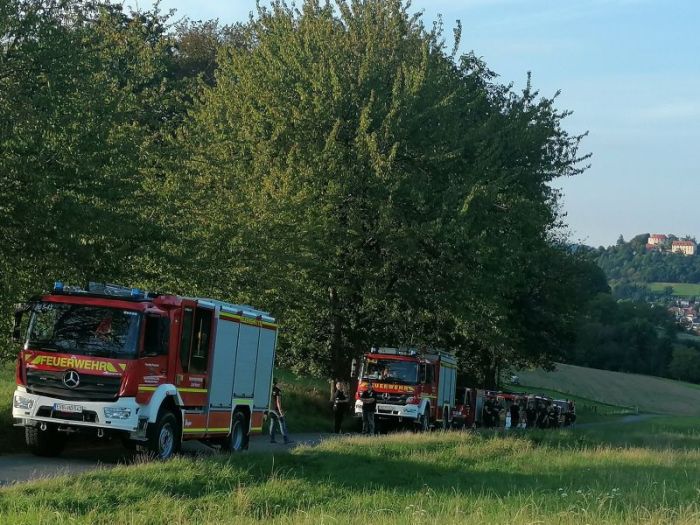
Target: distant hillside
<point>650,394</point>
<point>638,261</point>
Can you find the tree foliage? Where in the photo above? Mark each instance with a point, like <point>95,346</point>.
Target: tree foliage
<point>334,163</point>
<point>374,190</point>
<point>625,336</point>
<point>86,97</point>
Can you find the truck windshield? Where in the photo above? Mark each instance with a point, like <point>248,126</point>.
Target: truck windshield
<point>84,330</point>
<point>390,371</point>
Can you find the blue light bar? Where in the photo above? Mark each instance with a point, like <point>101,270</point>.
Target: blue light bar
<point>136,292</point>
<point>58,286</point>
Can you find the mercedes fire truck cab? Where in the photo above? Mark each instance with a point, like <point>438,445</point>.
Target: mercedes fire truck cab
<point>155,370</point>
<point>413,387</point>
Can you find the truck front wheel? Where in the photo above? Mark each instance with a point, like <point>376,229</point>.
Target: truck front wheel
<point>164,436</point>
<point>424,420</point>
<point>46,443</point>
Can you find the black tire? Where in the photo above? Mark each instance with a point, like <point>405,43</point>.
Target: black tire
<point>238,439</point>
<point>423,422</point>
<point>45,443</point>
<point>446,425</point>
<point>165,436</point>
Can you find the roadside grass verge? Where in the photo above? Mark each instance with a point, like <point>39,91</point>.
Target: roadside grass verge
<point>452,477</point>
<point>655,433</point>
<point>11,438</point>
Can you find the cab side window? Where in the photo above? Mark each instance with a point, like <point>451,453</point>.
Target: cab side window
<point>156,335</point>
<point>186,338</point>
<point>199,356</point>
<point>429,373</point>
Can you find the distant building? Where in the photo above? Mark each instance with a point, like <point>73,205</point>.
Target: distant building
<point>684,247</point>
<point>656,238</point>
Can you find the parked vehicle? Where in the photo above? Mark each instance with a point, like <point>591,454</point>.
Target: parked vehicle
<point>567,412</point>
<point>155,370</point>
<point>413,387</point>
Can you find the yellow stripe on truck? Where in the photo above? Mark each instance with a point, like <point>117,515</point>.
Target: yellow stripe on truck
<point>196,430</point>
<point>146,388</point>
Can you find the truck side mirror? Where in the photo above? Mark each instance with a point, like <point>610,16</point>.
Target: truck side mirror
<point>353,368</point>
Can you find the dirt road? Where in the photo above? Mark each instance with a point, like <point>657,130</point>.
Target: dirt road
<point>24,467</point>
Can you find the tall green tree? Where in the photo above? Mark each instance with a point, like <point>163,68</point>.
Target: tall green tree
<point>346,170</point>
<point>86,98</point>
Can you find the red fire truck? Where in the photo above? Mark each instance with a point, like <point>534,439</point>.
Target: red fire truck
<point>411,386</point>
<point>152,369</point>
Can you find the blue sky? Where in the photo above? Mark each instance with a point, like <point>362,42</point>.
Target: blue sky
<point>628,69</point>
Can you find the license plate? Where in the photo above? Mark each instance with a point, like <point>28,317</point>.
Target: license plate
<point>63,407</point>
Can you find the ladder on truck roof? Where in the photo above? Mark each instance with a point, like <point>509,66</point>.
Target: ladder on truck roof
<point>236,309</point>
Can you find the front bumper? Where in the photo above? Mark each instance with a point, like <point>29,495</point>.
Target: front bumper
<point>392,411</point>
<point>42,410</point>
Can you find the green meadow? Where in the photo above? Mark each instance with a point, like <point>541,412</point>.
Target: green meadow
<point>679,289</point>
<point>646,472</point>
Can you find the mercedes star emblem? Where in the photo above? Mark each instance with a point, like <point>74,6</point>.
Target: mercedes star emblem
<point>71,379</point>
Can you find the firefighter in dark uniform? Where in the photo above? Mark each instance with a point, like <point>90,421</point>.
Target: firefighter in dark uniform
<point>490,414</point>
<point>541,414</point>
<point>340,406</point>
<point>369,407</point>
<point>530,414</point>
<point>276,415</point>
<point>514,414</point>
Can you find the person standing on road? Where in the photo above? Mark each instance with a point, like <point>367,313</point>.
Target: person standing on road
<point>530,414</point>
<point>514,414</point>
<point>340,406</point>
<point>369,407</point>
<point>276,415</point>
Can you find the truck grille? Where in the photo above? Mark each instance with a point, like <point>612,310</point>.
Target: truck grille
<point>392,399</point>
<point>91,387</point>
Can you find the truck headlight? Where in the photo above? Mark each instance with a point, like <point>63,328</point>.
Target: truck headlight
<point>413,401</point>
<point>117,413</point>
<point>22,402</point>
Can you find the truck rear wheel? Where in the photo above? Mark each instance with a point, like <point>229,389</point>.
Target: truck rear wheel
<point>446,424</point>
<point>164,437</point>
<point>46,443</point>
<point>238,439</point>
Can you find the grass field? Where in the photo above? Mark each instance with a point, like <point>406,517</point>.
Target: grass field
<point>649,394</point>
<point>595,475</point>
<point>679,289</point>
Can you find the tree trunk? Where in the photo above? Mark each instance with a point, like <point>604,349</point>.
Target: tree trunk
<point>340,364</point>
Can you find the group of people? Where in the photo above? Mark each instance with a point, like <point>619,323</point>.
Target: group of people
<point>369,408</point>
<point>528,413</point>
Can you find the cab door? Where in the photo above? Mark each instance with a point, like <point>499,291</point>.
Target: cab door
<point>152,365</point>
<point>192,379</point>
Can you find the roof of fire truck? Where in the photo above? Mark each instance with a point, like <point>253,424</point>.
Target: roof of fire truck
<point>412,353</point>
<point>123,293</point>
